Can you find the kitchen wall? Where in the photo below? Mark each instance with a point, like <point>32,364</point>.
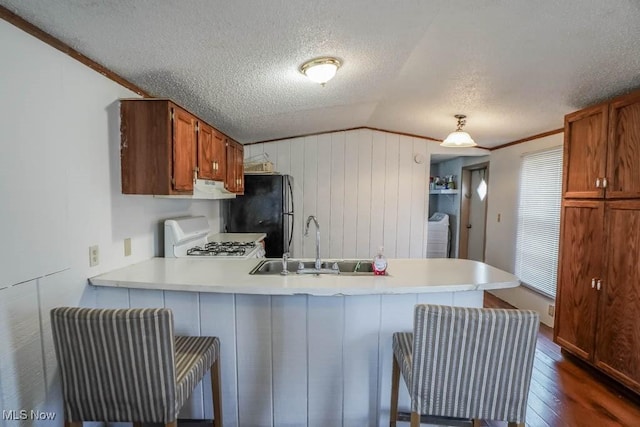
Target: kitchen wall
<point>504,181</point>
<point>60,192</point>
<point>367,188</point>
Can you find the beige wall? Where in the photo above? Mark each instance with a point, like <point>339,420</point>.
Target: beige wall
<point>504,181</point>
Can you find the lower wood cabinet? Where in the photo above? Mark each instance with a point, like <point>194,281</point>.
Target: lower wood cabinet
<point>598,299</point>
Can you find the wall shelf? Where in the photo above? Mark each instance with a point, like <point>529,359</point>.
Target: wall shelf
<point>444,191</point>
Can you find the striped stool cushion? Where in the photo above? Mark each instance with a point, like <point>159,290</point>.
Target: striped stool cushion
<point>403,351</point>
<point>472,362</point>
<point>194,356</point>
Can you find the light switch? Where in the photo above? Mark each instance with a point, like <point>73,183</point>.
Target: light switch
<point>127,246</point>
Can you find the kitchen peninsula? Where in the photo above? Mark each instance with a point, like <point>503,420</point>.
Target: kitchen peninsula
<point>303,350</point>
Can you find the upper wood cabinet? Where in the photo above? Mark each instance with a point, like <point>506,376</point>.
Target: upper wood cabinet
<point>157,150</point>
<point>235,167</point>
<point>164,149</point>
<point>602,150</point>
<point>211,153</point>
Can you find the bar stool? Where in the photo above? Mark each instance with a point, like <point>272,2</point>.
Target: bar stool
<point>126,365</point>
<point>463,365</point>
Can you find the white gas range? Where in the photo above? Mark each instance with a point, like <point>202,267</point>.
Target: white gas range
<point>192,237</point>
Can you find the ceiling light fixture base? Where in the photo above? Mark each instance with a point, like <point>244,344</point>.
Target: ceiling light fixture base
<point>321,70</point>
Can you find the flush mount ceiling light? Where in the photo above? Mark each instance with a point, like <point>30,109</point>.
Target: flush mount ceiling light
<point>320,70</point>
<point>459,138</point>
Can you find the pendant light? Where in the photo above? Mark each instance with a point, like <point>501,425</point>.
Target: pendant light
<point>459,138</point>
<point>320,70</point>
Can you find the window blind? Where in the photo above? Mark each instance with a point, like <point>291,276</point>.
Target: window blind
<point>539,220</point>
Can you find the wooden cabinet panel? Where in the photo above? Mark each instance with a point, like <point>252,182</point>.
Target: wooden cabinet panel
<point>585,152</point>
<point>218,155</point>
<point>184,143</point>
<point>618,335</point>
<point>624,148</point>
<point>235,167</point>
<point>601,239</point>
<point>206,165</point>
<point>579,270</point>
<point>164,148</point>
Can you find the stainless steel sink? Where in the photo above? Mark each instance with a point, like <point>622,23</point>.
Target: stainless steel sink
<point>345,267</point>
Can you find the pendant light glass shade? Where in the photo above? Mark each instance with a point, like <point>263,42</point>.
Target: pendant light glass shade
<point>320,70</point>
<point>459,138</point>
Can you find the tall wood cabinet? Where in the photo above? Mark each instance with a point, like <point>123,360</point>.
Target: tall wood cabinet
<point>598,298</point>
<point>164,148</point>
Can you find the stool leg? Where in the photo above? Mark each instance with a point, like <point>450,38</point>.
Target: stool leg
<point>415,419</point>
<point>395,384</point>
<point>475,423</point>
<point>172,424</point>
<point>216,391</point>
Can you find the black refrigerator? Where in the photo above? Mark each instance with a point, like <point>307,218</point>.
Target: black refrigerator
<point>265,207</point>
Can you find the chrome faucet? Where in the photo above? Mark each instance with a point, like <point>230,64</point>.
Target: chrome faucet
<point>306,233</point>
<point>285,262</point>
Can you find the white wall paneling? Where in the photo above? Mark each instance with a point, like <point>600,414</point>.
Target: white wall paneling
<point>310,193</point>
<point>363,195</point>
<point>289,358</point>
<point>325,361</point>
<point>253,347</point>
<point>337,194</point>
<point>391,198</point>
<point>61,119</point>
<point>217,319</point>
<point>363,186</point>
<point>323,193</point>
<point>22,372</point>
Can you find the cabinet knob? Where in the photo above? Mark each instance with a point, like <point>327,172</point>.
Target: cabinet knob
<point>604,182</point>
<point>599,284</point>
<point>593,283</point>
<point>597,182</point>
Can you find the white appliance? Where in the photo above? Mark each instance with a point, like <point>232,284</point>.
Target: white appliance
<point>191,237</point>
<point>438,236</point>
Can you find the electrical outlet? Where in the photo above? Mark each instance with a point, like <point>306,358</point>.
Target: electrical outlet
<point>127,246</point>
<point>552,310</point>
<point>94,256</point>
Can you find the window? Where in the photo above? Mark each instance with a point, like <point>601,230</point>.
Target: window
<point>539,220</point>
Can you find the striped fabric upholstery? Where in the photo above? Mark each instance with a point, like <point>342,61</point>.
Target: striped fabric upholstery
<point>124,365</point>
<point>469,362</point>
<point>194,356</point>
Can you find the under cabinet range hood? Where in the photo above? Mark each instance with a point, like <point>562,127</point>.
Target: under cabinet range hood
<point>204,189</point>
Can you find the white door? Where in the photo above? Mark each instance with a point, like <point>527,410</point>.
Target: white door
<point>477,214</point>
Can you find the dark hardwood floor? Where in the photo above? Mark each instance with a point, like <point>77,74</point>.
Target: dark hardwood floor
<point>567,392</point>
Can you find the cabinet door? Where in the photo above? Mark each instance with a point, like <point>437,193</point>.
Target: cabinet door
<point>580,267</point>
<point>184,143</point>
<point>240,168</point>
<point>618,335</point>
<point>206,165</point>
<point>218,156</point>
<point>585,152</point>
<point>230,182</point>
<point>623,158</point>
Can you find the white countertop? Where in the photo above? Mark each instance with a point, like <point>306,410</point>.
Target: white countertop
<point>232,276</point>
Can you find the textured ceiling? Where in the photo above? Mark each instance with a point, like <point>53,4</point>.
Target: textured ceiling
<point>514,67</point>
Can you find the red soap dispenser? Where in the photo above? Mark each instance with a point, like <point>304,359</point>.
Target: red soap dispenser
<point>380,263</point>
